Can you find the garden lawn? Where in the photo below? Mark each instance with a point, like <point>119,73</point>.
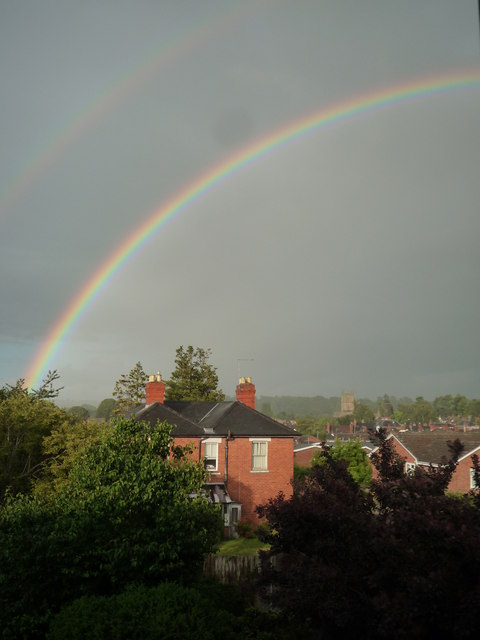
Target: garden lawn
<point>241,547</point>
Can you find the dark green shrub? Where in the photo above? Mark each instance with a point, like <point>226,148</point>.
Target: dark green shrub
<point>166,611</point>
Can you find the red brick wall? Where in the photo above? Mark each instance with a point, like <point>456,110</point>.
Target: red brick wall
<point>304,457</point>
<point>245,393</point>
<point>252,488</point>
<point>154,392</point>
<point>248,487</point>
<point>461,478</point>
<point>182,442</point>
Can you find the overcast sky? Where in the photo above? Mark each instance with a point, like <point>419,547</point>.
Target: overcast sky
<point>346,260</point>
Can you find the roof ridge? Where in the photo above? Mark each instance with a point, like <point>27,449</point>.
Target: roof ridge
<point>209,412</point>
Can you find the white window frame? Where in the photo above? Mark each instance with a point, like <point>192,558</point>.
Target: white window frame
<point>472,480</point>
<point>256,456</point>
<point>410,468</point>
<point>212,445</point>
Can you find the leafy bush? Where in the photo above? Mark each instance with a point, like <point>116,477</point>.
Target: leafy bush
<point>166,611</point>
<point>244,528</point>
<point>124,516</point>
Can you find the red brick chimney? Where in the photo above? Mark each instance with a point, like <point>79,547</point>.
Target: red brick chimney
<point>245,392</point>
<point>154,389</point>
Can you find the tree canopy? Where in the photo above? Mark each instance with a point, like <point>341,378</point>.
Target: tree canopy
<point>130,512</point>
<point>375,564</point>
<point>26,419</point>
<point>356,459</point>
<point>194,378</point>
<point>129,391</point>
<point>105,408</point>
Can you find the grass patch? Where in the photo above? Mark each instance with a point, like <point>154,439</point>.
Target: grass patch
<point>241,547</point>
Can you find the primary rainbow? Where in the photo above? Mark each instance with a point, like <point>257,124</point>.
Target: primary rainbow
<point>339,112</point>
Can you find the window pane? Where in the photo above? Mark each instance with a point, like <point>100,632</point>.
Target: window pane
<point>259,455</point>
<point>211,455</point>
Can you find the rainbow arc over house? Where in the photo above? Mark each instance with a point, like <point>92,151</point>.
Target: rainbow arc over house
<point>335,114</point>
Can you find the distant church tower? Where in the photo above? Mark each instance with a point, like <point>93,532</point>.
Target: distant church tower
<point>347,406</point>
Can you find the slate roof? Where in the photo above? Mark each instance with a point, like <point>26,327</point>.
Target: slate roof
<point>431,447</point>
<point>220,418</point>
<point>182,426</point>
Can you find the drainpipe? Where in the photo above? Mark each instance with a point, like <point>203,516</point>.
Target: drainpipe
<point>225,478</point>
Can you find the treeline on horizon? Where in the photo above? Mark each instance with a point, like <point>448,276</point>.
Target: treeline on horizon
<point>293,407</point>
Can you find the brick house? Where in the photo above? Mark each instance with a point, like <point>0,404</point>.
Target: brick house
<point>249,456</point>
<point>305,447</point>
<point>431,448</point>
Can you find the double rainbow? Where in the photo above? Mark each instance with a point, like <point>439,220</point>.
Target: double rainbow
<point>335,114</point>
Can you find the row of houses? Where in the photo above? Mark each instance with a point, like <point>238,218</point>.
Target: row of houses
<point>417,449</point>
<point>250,457</point>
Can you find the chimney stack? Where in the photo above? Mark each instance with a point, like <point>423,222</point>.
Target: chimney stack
<point>154,389</point>
<point>245,392</point>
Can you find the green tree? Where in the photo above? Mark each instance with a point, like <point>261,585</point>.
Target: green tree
<point>312,426</point>
<point>344,420</point>
<point>131,512</point>
<point>129,391</point>
<point>105,408</point>
<point>419,412</point>
<point>356,459</point>
<point>474,408</point>
<point>460,405</point>
<point>385,406</point>
<point>25,420</point>
<point>79,412</point>
<point>46,390</point>
<point>443,406</point>
<point>63,446</point>
<point>194,378</point>
<point>363,413</point>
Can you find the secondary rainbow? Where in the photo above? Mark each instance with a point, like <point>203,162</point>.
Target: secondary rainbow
<point>169,53</point>
<point>335,114</point>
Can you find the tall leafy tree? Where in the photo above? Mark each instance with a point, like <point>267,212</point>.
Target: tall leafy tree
<point>460,405</point>
<point>194,378</point>
<point>419,412</point>
<point>129,390</point>
<point>65,444</point>
<point>131,512</point>
<point>443,406</point>
<point>105,408</point>
<point>79,411</point>
<point>26,418</point>
<point>312,426</point>
<point>363,413</point>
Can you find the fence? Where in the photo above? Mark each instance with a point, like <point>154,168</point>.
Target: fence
<point>231,569</point>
